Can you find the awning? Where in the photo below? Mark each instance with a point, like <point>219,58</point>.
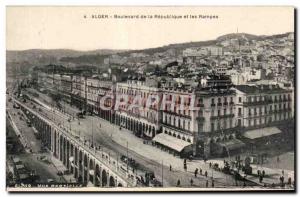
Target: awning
<point>263,132</point>
<point>171,142</point>
<point>232,144</point>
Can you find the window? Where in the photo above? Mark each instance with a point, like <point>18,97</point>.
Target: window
<point>224,112</point>
<point>219,125</point>
<point>212,101</point>
<point>240,111</point>
<point>240,99</point>
<point>201,113</point>
<point>212,125</point>
<point>260,110</point>
<point>219,112</point>
<point>239,123</point>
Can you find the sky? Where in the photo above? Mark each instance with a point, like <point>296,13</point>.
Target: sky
<point>66,27</point>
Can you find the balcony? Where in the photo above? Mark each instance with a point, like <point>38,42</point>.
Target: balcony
<point>265,102</point>
<point>200,105</point>
<point>177,114</point>
<point>222,116</point>
<point>175,128</point>
<point>201,119</point>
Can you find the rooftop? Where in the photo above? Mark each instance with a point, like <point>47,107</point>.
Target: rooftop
<point>259,89</point>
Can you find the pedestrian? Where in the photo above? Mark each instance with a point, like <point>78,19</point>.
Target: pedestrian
<point>192,182</point>
<point>278,160</point>
<point>170,168</point>
<point>212,183</point>
<point>206,184</point>
<point>260,178</point>
<point>210,164</point>
<point>205,173</point>
<point>185,167</point>
<point>263,173</point>
<point>282,172</point>
<point>281,179</point>
<point>196,172</point>
<point>178,183</point>
<point>200,171</point>
<point>289,181</point>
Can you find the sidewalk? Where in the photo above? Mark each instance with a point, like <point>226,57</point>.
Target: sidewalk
<point>152,153</point>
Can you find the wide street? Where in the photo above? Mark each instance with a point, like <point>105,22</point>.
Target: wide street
<point>150,158</point>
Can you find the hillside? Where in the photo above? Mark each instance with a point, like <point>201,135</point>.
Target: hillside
<point>35,57</point>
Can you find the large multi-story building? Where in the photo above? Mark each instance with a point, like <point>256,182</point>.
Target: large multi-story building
<point>179,124</point>
<point>262,105</point>
<point>106,98</point>
<point>216,121</point>
<point>263,113</point>
<point>142,120</point>
<point>205,125</point>
<point>92,87</point>
<point>100,97</point>
<point>66,87</point>
<point>78,95</point>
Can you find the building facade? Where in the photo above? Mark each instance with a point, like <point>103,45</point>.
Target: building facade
<point>262,105</point>
<point>142,120</point>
